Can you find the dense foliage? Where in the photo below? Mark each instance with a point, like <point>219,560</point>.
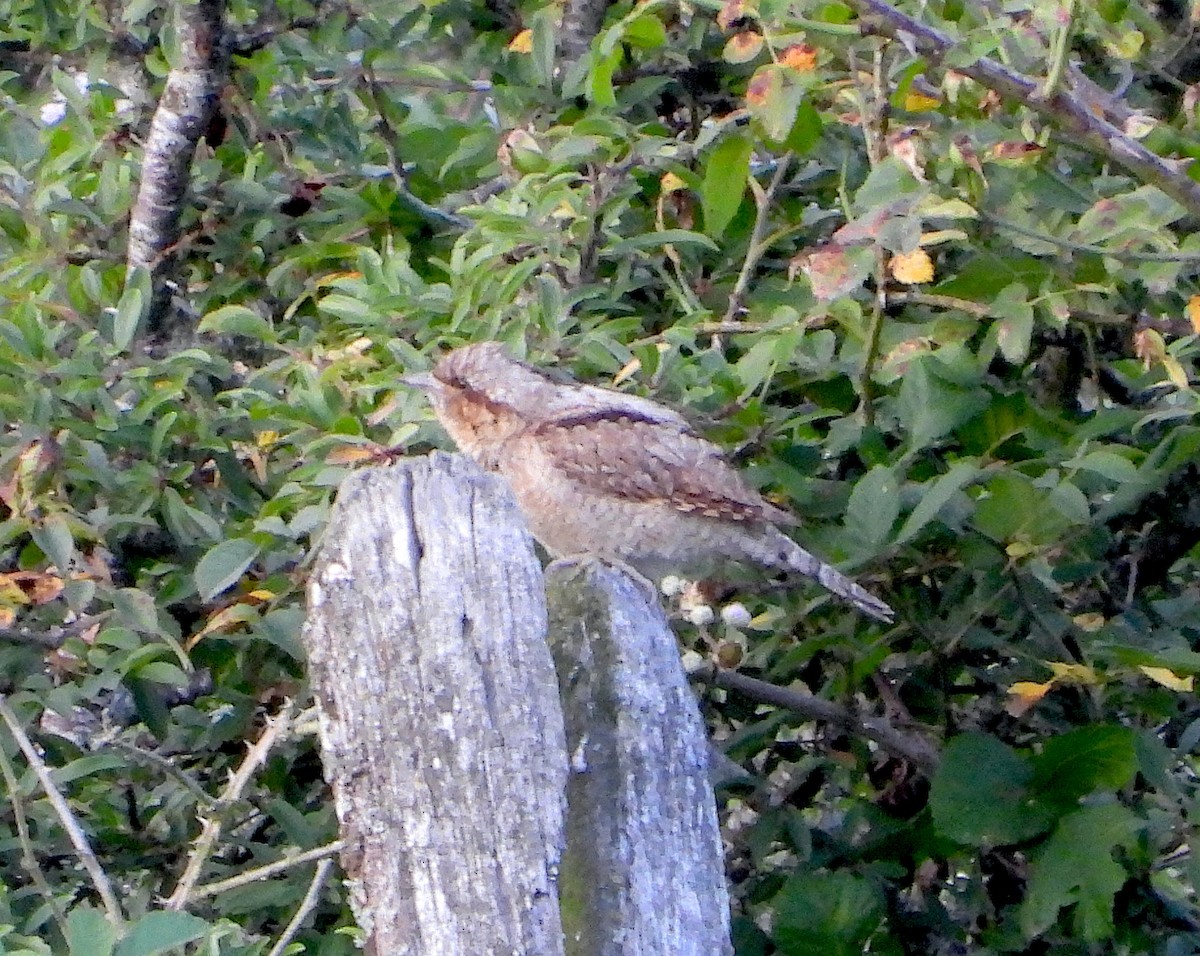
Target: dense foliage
<point>958,340</point>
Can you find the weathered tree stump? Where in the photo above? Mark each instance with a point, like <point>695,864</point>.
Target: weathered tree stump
<point>644,868</point>
<point>440,721</point>
<point>444,739</point>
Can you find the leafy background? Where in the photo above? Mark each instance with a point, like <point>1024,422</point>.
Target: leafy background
<point>958,339</point>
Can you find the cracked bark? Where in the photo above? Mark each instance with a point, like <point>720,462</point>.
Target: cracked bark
<point>440,723</point>
<point>444,742</point>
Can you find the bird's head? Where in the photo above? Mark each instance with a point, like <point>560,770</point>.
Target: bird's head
<point>482,396</point>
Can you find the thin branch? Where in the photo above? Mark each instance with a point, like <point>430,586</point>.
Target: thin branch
<point>1062,109</point>
<point>51,638</point>
<point>909,746</point>
<point>68,820</point>
<point>1060,54</point>
<point>763,200</point>
<point>866,383</point>
<point>1123,254</point>
<point>391,146</point>
<point>874,126</point>
<point>29,858</point>
<point>307,905</point>
<point>270,869</point>
<point>211,826</point>
<point>950,302</point>
<point>164,766</point>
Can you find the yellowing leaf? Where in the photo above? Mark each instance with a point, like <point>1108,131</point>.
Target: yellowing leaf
<point>629,369</point>
<point>916,102</point>
<point>352,454</point>
<point>1169,679</point>
<point>522,42</point>
<point>1019,549</point>
<point>1149,346</point>
<point>800,57</point>
<point>1175,372</point>
<point>831,271</point>
<point>1091,622</point>
<point>1074,673</point>
<point>912,267</point>
<point>1016,154</point>
<point>743,47</point>
<point>1024,694</point>
<point>1193,313</point>
<point>671,183</point>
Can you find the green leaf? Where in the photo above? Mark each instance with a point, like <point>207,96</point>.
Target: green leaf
<point>1014,323</point>
<point>238,320</point>
<point>1076,867</point>
<point>873,508</point>
<point>980,794</point>
<point>826,914</point>
<point>806,130</point>
<point>646,32</point>
<point>130,310</point>
<point>725,182</point>
<point>160,931</point>
<point>601,89</point>
<point>1074,764</point>
<point>54,537</point>
<point>929,407</point>
<point>223,565</point>
<point>937,495</point>
<point>89,933</point>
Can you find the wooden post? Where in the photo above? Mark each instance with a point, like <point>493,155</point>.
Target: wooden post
<point>444,739</point>
<point>644,868</point>
<point>440,721</point>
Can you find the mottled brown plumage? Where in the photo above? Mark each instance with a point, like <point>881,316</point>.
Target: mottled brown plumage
<point>599,472</point>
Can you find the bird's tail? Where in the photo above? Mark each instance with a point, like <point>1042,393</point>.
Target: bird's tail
<point>790,556</point>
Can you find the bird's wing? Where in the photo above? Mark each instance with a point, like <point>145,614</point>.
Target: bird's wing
<point>619,452</point>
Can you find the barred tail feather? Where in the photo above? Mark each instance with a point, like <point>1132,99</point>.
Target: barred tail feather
<point>792,557</point>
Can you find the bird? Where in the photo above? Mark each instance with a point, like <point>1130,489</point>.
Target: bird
<point>619,477</point>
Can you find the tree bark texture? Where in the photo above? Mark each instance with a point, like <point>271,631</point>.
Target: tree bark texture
<point>192,91</point>
<point>440,719</point>
<point>643,873</point>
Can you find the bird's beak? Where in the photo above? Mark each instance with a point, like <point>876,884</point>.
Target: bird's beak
<point>422,380</point>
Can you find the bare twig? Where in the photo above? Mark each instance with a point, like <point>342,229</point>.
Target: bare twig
<point>29,858</point>
<point>391,145</point>
<point>1061,52</point>
<point>940,302</point>
<point>866,385</point>
<point>51,638</point>
<point>909,746</point>
<point>211,826</point>
<point>164,766</point>
<point>270,869</point>
<point>306,906</point>
<point>763,200</point>
<point>68,820</point>
<point>874,126</point>
<point>1063,109</point>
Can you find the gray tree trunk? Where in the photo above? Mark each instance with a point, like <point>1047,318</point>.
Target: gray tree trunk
<point>440,721</point>
<point>444,739</point>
